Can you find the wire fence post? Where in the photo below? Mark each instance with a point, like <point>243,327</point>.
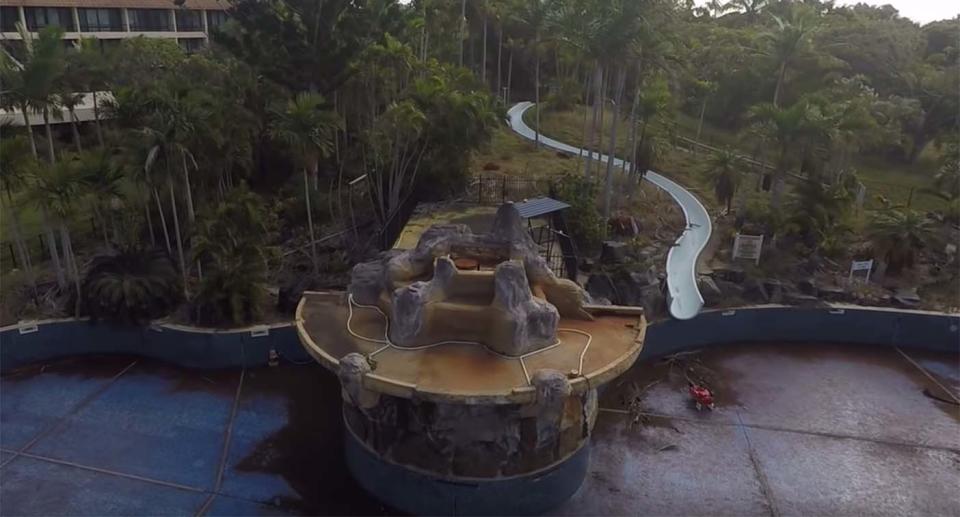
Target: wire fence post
<point>13,256</point>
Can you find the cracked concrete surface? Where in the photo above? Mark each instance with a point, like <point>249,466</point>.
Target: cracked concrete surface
<point>799,429</point>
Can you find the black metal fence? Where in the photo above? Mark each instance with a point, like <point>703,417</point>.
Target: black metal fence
<point>498,189</point>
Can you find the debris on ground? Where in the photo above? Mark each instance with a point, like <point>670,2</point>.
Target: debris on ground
<point>702,396</point>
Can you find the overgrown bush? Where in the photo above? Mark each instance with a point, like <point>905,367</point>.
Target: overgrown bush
<point>584,221</point>
<point>232,244</point>
<point>131,286</point>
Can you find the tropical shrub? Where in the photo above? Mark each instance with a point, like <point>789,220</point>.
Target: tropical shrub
<point>898,236</point>
<point>131,285</point>
<point>583,218</point>
<point>232,245</point>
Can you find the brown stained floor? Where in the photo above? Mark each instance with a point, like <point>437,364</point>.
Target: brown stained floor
<point>799,429</point>
<point>466,369</point>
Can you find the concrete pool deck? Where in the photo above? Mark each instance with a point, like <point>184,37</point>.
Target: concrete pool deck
<point>798,429</point>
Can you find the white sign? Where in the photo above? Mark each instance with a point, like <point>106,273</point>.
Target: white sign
<point>747,247</point>
<point>861,265</point>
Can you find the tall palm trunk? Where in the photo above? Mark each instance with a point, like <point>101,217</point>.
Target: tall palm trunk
<point>22,251</point>
<point>586,125</point>
<point>71,259</point>
<point>46,124</point>
<point>68,260</point>
<point>176,229</point>
<point>776,187</point>
<point>703,110</point>
<point>423,35</point>
<point>483,59</point>
<point>52,245</point>
<point>509,76</point>
<point>75,130</point>
<point>780,76</point>
<point>146,208</point>
<point>186,183</point>
<point>537,92</point>
<point>605,85</point>
<point>463,26</point>
<point>597,100</point>
<point>611,154</point>
<point>191,214</point>
<point>26,124</point>
<point>313,239</point>
<point>163,221</point>
<point>629,160</point>
<point>96,119</point>
<point>499,61</point>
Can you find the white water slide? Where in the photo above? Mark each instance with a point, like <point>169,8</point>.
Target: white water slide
<point>684,297</point>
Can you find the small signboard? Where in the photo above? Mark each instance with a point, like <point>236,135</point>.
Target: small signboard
<point>860,269</point>
<point>747,247</point>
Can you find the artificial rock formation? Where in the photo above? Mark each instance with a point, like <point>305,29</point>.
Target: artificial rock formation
<point>513,304</point>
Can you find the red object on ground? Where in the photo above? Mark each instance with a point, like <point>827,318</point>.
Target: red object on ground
<point>702,396</point>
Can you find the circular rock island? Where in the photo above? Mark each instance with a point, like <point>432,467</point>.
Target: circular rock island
<point>473,390</point>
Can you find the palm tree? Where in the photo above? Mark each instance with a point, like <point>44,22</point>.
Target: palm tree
<point>87,69</point>
<point>790,39</point>
<point>724,169</point>
<point>133,285</point>
<point>162,132</point>
<point>16,166</point>
<point>532,15</point>
<point>31,84</point>
<point>897,236</point>
<point>69,98</point>
<point>307,130</point>
<point>101,178</point>
<point>819,211</point>
<point>56,188</point>
<point>786,128</point>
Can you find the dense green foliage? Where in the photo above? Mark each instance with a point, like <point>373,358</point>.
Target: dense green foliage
<point>336,114</point>
<point>131,286</point>
<point>233,244</point>
<point>583,219</point>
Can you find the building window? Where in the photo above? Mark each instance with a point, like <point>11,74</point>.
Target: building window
<point>216,19</point>
<point>100,20</point>
<point>149,20</point>
<point>189,21</point>
<point>191,45</point>
<point>40,17</point>
<point>9,16</point>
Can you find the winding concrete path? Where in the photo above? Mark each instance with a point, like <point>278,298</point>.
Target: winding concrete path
<point>684,297</point>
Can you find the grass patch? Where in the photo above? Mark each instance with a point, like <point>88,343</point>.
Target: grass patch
<point>901,183</point>
<point>510,154</point>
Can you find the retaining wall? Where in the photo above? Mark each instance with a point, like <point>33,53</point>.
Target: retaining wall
<point>201,348</point>
<point>185,346</point>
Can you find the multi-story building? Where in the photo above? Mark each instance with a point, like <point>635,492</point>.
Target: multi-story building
<point>109,21</point>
